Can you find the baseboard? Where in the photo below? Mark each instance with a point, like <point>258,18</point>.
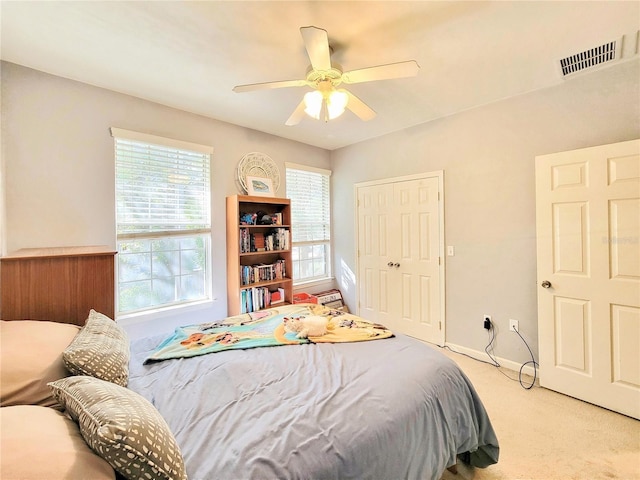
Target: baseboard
<point>510,364</point>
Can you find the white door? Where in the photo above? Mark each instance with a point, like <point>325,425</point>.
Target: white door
<point>400,242</point>
<point>588,231</point>
<point>375,260</point>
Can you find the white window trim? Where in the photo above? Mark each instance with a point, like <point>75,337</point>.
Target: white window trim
<point>315,281</point>
<point>124,134</point>
<point>298,166</point>
<point>156,140</point>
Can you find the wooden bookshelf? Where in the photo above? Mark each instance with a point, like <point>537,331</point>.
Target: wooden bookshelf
<point>240,254</point>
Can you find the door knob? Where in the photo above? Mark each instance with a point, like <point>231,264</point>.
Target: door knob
<point>390,264</point>
<point>396,265</point>
<point>545,284</point>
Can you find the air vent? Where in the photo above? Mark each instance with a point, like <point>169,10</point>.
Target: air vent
<point>588,59</point>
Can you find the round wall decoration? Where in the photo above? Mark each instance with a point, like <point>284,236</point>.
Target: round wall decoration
<point>256,164</point>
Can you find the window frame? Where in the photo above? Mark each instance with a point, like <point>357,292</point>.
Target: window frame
<point>326,243</point>
<point>175,232</point>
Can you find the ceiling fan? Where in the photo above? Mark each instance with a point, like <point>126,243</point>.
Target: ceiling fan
<point>326,101</point>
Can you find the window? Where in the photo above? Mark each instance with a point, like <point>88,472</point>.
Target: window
<point>308,189</point>
<point>163,216</point>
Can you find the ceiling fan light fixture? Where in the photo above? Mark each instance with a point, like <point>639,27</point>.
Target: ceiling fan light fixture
<point>332,104</point>
<point>313,104</point>
<point>336,103</point>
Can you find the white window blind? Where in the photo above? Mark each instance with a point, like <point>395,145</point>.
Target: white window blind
<point>309,191</point>
<point>309,194</point>
<point>163,221</point>
<point>161,189</point>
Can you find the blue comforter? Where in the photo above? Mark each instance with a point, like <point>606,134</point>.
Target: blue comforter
<point>389,409</point>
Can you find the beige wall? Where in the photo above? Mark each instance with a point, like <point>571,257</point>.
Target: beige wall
<point>59,162</point>
<point>487,155</point>
<point>58,159</point>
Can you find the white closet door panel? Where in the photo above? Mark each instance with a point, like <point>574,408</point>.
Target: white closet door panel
<point>399,271</point>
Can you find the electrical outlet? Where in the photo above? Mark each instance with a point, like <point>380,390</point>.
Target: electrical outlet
<point>513,325</point>
<point>486,322</point>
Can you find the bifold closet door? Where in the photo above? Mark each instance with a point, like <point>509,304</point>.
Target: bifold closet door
<point>399,262</point>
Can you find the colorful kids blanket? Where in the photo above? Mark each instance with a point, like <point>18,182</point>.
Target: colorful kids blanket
<point>264,328</point>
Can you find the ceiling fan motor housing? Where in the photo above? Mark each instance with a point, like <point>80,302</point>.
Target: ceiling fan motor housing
<point>315,77</point>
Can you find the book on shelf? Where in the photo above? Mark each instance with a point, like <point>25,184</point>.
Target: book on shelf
<point>245,240</point>
<point>257,298</point>
<point>278,239</point>
<point>258,242</point>
<point>277,296</point>
<point>262,273</point>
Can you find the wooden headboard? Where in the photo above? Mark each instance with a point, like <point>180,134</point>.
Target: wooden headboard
<point>57,284</point>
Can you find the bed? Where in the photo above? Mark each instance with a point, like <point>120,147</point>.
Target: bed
<point>388,408</point>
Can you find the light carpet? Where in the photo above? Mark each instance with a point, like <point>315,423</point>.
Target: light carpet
<point>545,435</point>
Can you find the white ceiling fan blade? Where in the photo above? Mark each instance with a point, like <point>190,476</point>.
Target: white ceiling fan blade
<point>382,72</point>
<point>357,106</point>
<point>316,42</point>
<point>269,85</point>
<point>297,115</point>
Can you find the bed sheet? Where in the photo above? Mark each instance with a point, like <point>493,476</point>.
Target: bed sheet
<point>388,409</point>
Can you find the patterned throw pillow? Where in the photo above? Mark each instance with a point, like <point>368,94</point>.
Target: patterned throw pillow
<point>122,427</point>
<point>100,349</point>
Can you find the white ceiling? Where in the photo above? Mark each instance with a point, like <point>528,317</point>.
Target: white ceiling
<point>189,55</point>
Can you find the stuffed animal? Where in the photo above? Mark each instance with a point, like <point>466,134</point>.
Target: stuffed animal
<point>263,218</point>
<point>248,218</point>
<point>311,326</point>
